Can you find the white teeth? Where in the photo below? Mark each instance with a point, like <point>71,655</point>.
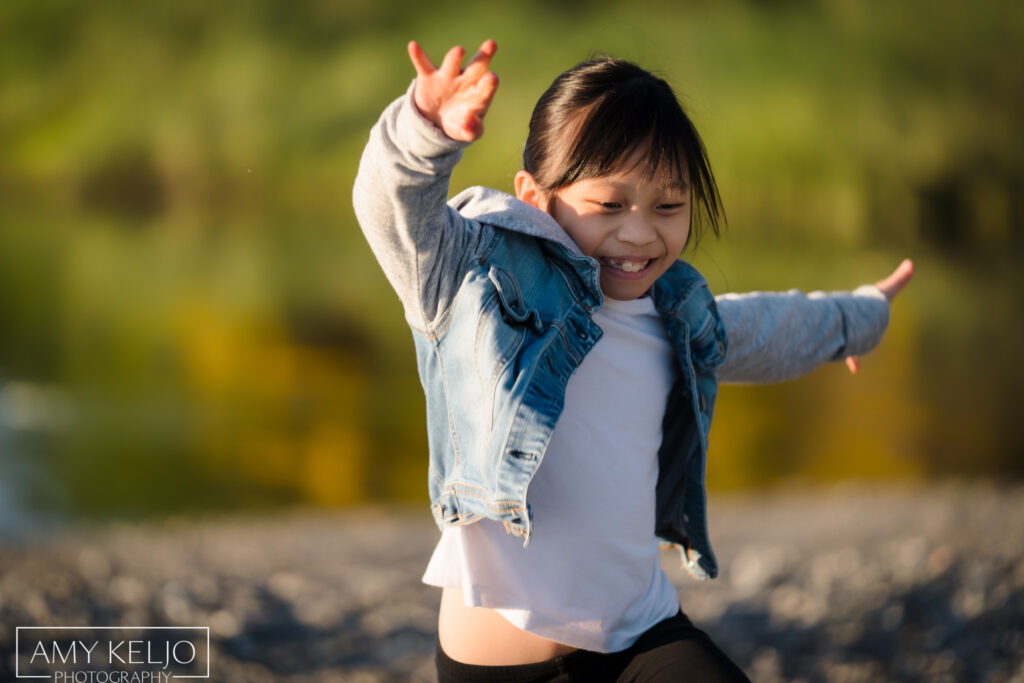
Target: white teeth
<point>626,266</point>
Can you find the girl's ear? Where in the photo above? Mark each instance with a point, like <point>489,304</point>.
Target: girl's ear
<point>528,191</point>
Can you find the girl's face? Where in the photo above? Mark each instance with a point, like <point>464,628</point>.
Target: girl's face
<point>634,225</point>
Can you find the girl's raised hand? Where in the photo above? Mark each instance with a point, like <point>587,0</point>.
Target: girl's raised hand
<point>453,98</point>
<point>890,286</point>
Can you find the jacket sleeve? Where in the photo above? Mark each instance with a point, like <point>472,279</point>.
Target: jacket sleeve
<point>400,200</point>
<point>774,337</point>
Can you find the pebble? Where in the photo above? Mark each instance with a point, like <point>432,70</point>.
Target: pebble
<point>854,583</point>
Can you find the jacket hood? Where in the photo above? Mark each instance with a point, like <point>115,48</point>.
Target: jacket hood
<point>505,211</point>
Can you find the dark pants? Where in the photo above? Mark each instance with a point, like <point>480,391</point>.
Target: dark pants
<point>671,650</point>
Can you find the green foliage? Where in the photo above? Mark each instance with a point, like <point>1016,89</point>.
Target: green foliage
<point>179,259</point>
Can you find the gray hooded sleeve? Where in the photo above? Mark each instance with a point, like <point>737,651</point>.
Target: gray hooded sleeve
<point>779,336</point>
<point>400,199</point>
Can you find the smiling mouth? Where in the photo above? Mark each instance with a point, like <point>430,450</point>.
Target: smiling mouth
<point>626,265</point>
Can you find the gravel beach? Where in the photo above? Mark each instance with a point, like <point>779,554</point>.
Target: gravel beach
<point>852,583</point>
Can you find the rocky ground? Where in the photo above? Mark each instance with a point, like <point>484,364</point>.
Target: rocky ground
<point>849,584</point>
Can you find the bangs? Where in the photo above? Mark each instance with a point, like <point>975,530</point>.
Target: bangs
<point>617,126</point>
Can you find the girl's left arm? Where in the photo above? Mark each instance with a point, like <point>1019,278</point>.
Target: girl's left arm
<point>774,337</point>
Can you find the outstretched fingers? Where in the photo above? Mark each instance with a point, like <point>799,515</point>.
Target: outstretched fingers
<point>481,61</point>
<point>453,98</point>
<point>894,284</point>
<point>890,287</point>
<point>420,61</point>
<point>451,65</point>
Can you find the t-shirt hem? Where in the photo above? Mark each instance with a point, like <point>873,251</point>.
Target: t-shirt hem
<point>549,628</point>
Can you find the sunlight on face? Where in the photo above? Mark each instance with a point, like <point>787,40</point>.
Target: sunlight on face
<point>634,225</point>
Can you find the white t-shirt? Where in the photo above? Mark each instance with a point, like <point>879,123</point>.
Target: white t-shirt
<point>591,576</point>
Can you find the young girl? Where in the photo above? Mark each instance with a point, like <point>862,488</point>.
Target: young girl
<point>570,362</point>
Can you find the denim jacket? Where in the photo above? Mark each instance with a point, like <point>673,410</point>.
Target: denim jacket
<point>500,302</point>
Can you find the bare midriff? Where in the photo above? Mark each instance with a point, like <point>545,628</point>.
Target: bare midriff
<point>478,635</point>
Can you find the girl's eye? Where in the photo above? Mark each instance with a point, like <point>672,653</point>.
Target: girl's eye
<point>671,207</point>
<point>611,205</point>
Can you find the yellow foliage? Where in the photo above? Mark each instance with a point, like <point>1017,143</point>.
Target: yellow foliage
<point>335,465</point>
<point>284,417</point>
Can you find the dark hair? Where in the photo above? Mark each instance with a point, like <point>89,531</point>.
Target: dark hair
<point>596,114</point>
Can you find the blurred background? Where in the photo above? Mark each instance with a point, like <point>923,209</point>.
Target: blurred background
<point>190,320</point>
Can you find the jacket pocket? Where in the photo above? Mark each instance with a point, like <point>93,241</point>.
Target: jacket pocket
<point>502,327</point>
<point>513,308</point>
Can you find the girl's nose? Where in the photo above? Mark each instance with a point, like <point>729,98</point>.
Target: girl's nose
<point>636,229</point>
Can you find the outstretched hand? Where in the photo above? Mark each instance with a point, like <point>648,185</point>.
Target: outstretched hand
<point>453,98</point>
<point>890,287</point>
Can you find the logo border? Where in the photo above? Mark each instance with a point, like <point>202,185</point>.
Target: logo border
<point>18,629</point>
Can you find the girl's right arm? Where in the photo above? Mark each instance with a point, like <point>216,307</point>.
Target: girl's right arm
<point>401,190</point>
